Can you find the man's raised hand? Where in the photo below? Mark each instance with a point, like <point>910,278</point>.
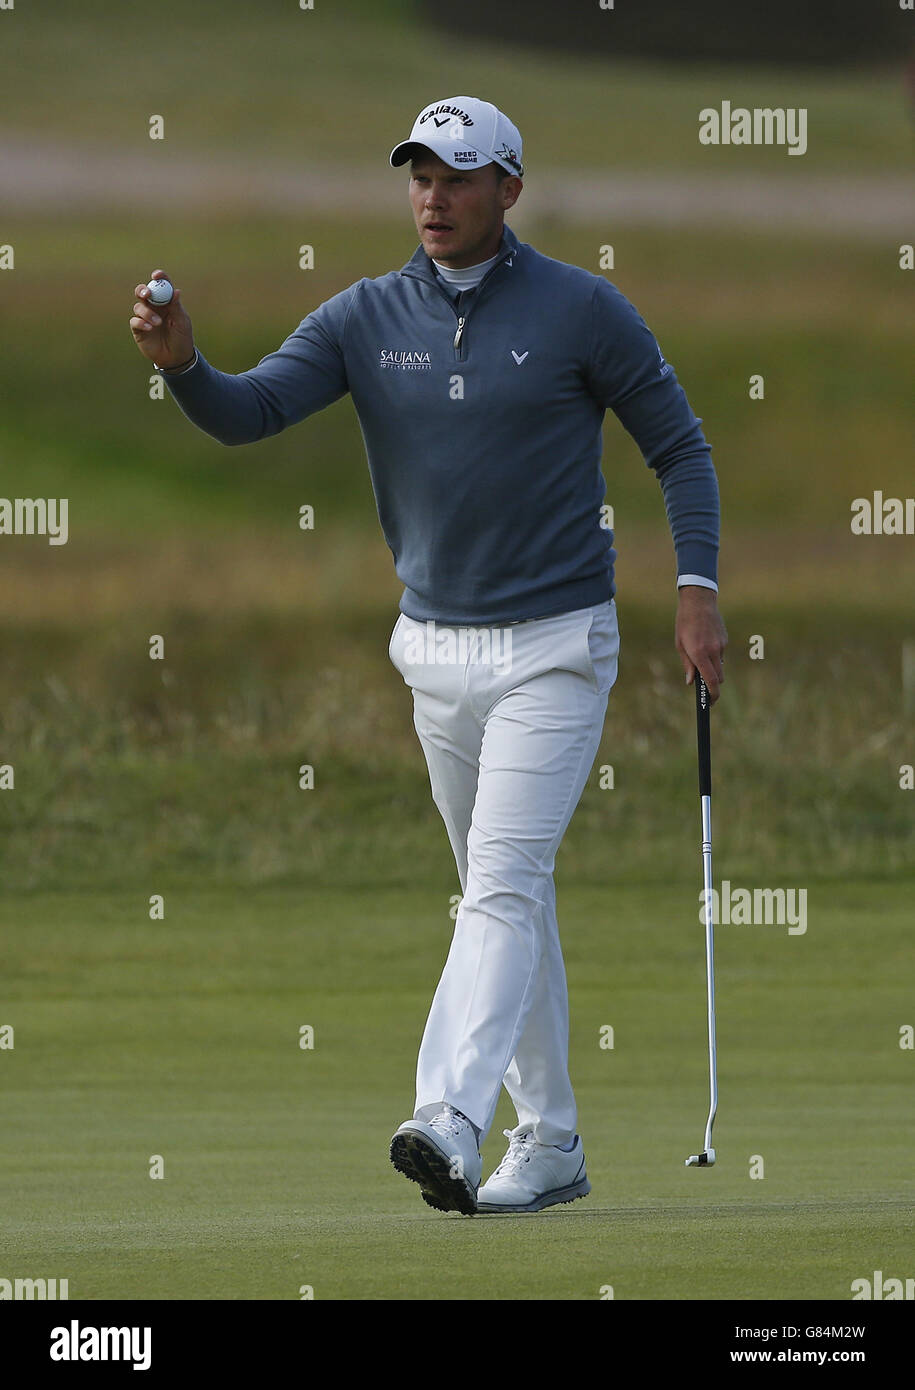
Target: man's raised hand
<point>162,333</point>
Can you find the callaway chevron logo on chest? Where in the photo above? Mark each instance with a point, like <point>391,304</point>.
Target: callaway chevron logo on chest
<point>405,360</point>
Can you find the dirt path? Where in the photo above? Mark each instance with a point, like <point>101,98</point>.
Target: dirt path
<point>41,175</point>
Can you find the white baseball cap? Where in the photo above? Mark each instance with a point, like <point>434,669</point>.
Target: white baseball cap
<point>466,133</point>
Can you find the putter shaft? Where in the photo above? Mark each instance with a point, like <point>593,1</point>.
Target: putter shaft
<point>703,706</point>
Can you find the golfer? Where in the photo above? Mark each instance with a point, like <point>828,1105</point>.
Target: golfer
<point>481,372</point>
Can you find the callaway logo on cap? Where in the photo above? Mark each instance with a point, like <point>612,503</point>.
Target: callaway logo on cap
<point>466,133</point>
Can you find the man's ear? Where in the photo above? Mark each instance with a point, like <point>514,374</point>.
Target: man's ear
<point>511,191</point>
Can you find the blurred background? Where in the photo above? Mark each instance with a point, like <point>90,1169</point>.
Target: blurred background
<point>180,777</point>
<point>278,123</point>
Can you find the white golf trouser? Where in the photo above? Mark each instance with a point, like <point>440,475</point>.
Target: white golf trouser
<point>509,719</point>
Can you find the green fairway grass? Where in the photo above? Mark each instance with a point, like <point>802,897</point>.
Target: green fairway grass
<point>180,1038</point>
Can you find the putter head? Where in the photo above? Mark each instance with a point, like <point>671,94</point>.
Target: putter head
<point>704,1160</point>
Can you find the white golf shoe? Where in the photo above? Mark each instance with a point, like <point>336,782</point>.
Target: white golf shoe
<point>442,1155</point>
<point>532,1176</point>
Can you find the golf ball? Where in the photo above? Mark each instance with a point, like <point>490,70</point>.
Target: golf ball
<point>160,292</point>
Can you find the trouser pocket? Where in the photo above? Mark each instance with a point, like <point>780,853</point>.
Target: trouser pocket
<point>603,645</point>
<point>394,645</point>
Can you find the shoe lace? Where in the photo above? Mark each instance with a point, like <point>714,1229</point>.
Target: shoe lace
<point>448,1123</point>
<point>520,1150</point>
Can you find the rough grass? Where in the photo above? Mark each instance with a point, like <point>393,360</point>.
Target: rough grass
<point>281,82</point>
<point>824,329</point>
<point>189,766</point>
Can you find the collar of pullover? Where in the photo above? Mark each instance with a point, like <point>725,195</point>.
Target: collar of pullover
<point>420,266</point>
<point>466,277</point>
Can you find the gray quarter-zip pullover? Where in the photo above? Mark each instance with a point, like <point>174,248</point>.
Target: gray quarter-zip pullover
<point>481,417</point>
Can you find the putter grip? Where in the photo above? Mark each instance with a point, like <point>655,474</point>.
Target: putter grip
<point>703,731</point>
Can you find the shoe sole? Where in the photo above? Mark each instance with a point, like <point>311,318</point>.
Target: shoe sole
<point>559,1196</point>
<point>419,1160</point>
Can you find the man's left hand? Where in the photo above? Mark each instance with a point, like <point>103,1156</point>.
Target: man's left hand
<point>701,636</point>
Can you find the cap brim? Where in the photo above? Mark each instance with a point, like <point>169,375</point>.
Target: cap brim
<point>445,149</point>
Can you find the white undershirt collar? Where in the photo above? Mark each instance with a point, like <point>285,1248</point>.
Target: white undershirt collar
<point>469,276</point>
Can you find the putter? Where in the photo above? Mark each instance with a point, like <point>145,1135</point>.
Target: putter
<point>706,1158</point>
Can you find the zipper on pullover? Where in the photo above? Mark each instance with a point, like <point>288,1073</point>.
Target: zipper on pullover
<point>462,316</point>
<point>457,305</point>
